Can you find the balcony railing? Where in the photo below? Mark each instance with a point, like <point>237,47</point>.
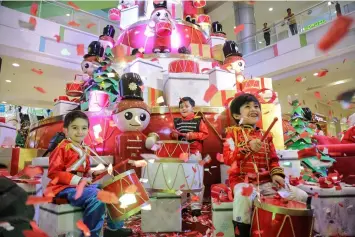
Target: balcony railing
<point>308,19</point>
<point>63,14</point>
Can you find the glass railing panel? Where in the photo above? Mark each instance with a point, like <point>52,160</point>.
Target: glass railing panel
<point>54,12</point>
<point>87,23</point>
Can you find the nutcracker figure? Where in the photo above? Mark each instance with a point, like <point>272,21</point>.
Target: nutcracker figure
<point>234,61</point>
<point>106,39</point>
<point>90,62</point>
<point>131,117</point>
<point>114,14</point>
<point>162,24</point>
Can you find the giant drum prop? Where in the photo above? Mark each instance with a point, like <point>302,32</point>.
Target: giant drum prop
<point>170,176</point>
<point>171,149</point>
<point>279,218</point>
<point>118,186</point>
<point>73,89</point>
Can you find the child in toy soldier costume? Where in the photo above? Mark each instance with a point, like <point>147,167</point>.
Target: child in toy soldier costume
<point>192,129</point>
<point>251,160</point>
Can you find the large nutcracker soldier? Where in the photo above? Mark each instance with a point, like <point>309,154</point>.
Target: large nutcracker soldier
<point>162,24</point>
<point>132,116</point>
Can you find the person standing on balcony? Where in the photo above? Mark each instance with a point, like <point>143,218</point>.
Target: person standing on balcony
<point>338,8</point>
<point>266,30</point>
<point>291,19</point>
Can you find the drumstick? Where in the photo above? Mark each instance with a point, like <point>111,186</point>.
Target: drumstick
<point>269,129</point>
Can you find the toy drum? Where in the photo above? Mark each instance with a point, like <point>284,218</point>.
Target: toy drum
<point>98,100</point>
<point>118,186</point>
<point>163,29</point>
<point>172,149</point>
<point>73,89</point>
<point>184,66</point>
<point>280,218</point>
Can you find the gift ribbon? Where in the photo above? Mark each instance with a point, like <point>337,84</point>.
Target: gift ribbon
<point>66,98</point>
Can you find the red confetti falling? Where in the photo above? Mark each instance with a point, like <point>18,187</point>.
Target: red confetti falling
<point>107,197</point>
<point>317,95</point>
<point>142,88</point>
<point>341,204</point>
<point>34,9</point>
<point>315,195</point>
<point>344,60</point>
<point>299,79</point>
<point>219,157</point>
<point>251,2</point>
<point>182,186</point>
<point>247,191</point>
<point>238,29</point>
<point>184,156</point>
<point>195,198</point>
<point>80,50</point>
<point>32,233</point>
<point>73,24</point>
<point>236,231</point>
<point>32,21</point>
<point>194,169</point>
<point>81,226</point>
<point>73,5</point>
<point>210,92</point>
<point>336,32</point>
<point>220,234</point>
<point>40,89</point>
<point>90,25</point>
<point>80,188</point>
<point>57,38</point>
<point>322,73</point>
<point>131,189</point>
<point>36,229</point>
<point>38,71</point>
<point>258,232</point>
<point>31,200</point>
<point>338,188</point>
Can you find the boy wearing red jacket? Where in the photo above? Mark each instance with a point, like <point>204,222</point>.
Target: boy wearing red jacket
<point>251,160</point>
<point>69,164</point>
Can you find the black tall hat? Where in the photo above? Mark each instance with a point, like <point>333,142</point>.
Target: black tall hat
<point>95,49</point>
<point>109,30</point>
<point>307,113</point>
<point>217,28</point>
<point>230,48</point>
<point>161,4</point>
<point>130,86</point>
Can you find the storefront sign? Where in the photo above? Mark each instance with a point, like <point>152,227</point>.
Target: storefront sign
<point>314,25</point>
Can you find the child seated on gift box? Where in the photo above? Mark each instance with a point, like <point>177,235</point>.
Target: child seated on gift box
<point>252,161</point>
<point>190,127</point>
<point>69,164</point>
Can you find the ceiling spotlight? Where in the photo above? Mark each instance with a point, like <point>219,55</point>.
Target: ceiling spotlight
<point>67,14</point>
<point>270,9</point>
<point>15,64</point>
<point>329,3</point>
<point>8,81</point>
<point>260,42</point>
<point>3,102</point>
<point>315,74</point>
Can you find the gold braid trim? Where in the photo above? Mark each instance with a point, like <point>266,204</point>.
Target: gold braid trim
<point>277,171</point>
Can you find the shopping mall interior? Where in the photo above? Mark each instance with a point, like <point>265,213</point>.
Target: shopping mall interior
<point>61,56</point>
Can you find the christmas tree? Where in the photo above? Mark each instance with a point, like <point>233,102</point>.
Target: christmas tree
<point>300,139</point>
<point>105,78</point>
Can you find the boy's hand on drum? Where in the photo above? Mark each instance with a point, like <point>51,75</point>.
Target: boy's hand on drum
<point>174,134</point>
<point>255,145</point>
<point>278,181</point>
<point>140,163</point>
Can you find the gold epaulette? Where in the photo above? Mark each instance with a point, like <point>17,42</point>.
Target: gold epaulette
<point>233,129</point>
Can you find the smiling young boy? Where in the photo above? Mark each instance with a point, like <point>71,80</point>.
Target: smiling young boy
<point>251,160</point>
<point>69,164</point>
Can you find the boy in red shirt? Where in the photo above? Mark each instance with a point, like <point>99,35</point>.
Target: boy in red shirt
<point>349,135</point>
<point>192,129</point>
<point>251,160</point>
<point>69,164</point>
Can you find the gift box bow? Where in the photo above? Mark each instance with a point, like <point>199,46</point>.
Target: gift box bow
<point>66,98</point>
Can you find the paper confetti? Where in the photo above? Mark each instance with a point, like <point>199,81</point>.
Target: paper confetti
<point>110,169</point>
<point>236,231</point>
<point>300,79</point>
<point>131,189</point>
<point>90,25</point>
<point>317,95</point>
<point>57,38</point>
<point>33,21</point>
<point>195,198</point>
<point>220,234</point>
<point>336,32</point>
<point>31,200</point>
<point>73,24</point>
<point>210,92</point>
<point>142,180</point>
<point>322,73</point>
<point>38,71</point>
<point>36,229</point>
<point>160,100</point>
<point>219,157</point>
<point>34,9</point>
<point>182,186</point>
<point>32,233</point>
<point>73,5</point>
<point>184,156</point>
<point>178,193</point>
<point>81,226</point>
<point>65,52</point>
<point>194,169</point>
<point>80,189</point>
<point>80,50</point>
<point>247,191</point>
<point>32,171</point>
<point>40,89</point>
<point>7,226</point>
<point>238,29</point>
<point>107,197</point>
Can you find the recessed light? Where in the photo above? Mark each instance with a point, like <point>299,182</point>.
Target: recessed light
<point>315,74</point>
<point>67,14</point>
<point>15,64</point>
<point>329,3</point>
<point>3,102</point>
<point>8,81</point>
<point>260,42</point>
<point>270,9</point>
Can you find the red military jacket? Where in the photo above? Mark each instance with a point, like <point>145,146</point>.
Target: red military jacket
<point>242,159</point>
<point>349,136</point>
<point>129,146</point>
<point>62,158</point>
